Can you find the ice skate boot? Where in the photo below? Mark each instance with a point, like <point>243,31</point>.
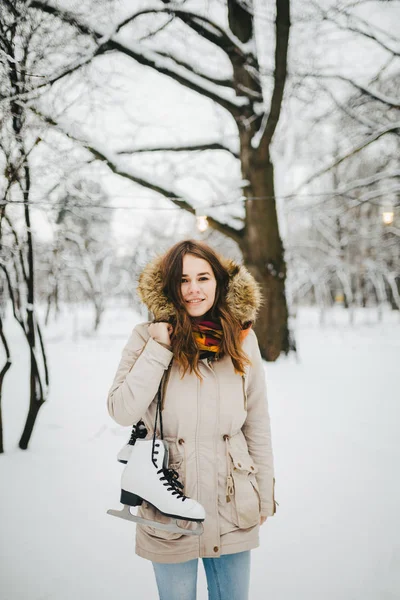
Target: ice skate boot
<point>147,478</point>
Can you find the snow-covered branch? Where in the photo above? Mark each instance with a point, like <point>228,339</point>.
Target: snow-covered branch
<point>159,187</point>
<point>227,82</point>
<point>167,66</point>
<point>360,27</point>
<point>393,128</point>
<point>365,89</point>
<point>347,109</point>
<point>269,124</point>
<point>208,29</point>
<point>150,58</point>
<point>156,185</point>
<point>369,91</point>
<point>32,93</point>
<point>180,148</point>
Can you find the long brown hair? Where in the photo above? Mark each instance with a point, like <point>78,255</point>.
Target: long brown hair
<point>184,346</point>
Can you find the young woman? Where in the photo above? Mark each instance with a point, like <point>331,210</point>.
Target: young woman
<point>214,411</point>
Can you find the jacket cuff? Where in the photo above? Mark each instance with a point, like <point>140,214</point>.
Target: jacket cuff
<point>267,511</point>
<point>158,352</point>
<point>168,346</point>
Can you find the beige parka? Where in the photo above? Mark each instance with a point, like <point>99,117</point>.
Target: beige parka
<point>218,430</point>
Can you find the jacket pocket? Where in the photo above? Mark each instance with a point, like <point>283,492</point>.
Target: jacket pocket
<point>246,494</point>
<point>148,511</point>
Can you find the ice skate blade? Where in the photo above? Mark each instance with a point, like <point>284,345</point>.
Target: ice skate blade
<point>125,513</point>
<point>130,499</point>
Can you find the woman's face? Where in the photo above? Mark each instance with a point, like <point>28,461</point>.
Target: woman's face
<point>198,285</point>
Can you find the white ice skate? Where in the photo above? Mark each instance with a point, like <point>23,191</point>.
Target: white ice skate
<point>147,478</point>
<point>124,454</point>
<point>139,431</point>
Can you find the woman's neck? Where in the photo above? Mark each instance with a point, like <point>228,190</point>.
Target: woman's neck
<point>206,317</point>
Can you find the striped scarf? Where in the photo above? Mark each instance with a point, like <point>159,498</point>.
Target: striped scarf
<point>208,335</point>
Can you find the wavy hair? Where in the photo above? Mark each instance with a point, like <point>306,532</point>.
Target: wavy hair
<point>184,347</point>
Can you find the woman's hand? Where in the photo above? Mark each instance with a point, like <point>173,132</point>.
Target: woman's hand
<point>161,332</point>
<point>262,520</point>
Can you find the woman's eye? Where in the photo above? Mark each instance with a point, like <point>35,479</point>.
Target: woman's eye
<point>204,278</point>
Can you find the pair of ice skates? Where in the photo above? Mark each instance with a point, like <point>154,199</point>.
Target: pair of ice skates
<point>147,478</point>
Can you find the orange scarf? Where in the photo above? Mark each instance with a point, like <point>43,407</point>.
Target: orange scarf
<point>208,335</point>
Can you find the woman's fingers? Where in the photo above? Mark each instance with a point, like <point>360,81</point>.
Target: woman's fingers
<point>160,332</point>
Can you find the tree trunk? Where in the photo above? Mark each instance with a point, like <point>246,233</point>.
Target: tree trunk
<point>261,243</point>
<point>99,310</point>
<point>263,254</point>
<point>3,372</point>
<point>20,175</point>
<point>29,424</point>
<point>36,396</point>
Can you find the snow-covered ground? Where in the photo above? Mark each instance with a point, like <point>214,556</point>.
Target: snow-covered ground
<point>335,426</point>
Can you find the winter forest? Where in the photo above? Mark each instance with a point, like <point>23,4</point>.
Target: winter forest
<point>271,130</point>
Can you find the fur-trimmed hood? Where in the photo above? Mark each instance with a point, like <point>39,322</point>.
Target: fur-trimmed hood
<point>243,297</point>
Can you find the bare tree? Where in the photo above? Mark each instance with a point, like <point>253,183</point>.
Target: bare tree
<point>244,98</point>
<point>336,237</point>
<point>21,53</point>
<point>84,243</point>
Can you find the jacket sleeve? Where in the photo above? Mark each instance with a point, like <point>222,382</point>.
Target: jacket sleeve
<point>257,431</point>
<point>137,379</point>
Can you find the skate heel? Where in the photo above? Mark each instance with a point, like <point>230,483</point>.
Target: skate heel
<point>130,499</point>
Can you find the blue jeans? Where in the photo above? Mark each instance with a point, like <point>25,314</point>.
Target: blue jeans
<point>228,578</point>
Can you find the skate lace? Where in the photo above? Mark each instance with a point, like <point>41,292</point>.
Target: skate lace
<point>170,476</point>
<point>171,479</point>
<point>139,431</point>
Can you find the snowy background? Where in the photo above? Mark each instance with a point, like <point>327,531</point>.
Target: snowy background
<point>334,406</point>
<point>335,418</point>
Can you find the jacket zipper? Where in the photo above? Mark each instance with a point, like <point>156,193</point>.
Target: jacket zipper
<point>244,392</point>
<point>164,385</point>
<point>196,448</point>
<point>209,363</point>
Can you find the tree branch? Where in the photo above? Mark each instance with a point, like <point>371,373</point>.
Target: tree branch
<point>362,120</point>
<point>368,181</point>
<point>111,162</point>
<point>148,58</point>
<point>281,50</point>
<point>358,31</point>
<point>191,148</point>
<point>228,83</point>
<point>29,94</point>
<point>372,138</point>
<point>208,29</point>
<point>389,101</point>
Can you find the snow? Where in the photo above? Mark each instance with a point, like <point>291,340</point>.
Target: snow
<point>256,139</point>
<point>334,417</point>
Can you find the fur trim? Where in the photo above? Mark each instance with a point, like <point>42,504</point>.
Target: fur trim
<point>243,297</point>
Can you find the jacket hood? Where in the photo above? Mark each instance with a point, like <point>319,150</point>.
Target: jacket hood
<point>243,296</point>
